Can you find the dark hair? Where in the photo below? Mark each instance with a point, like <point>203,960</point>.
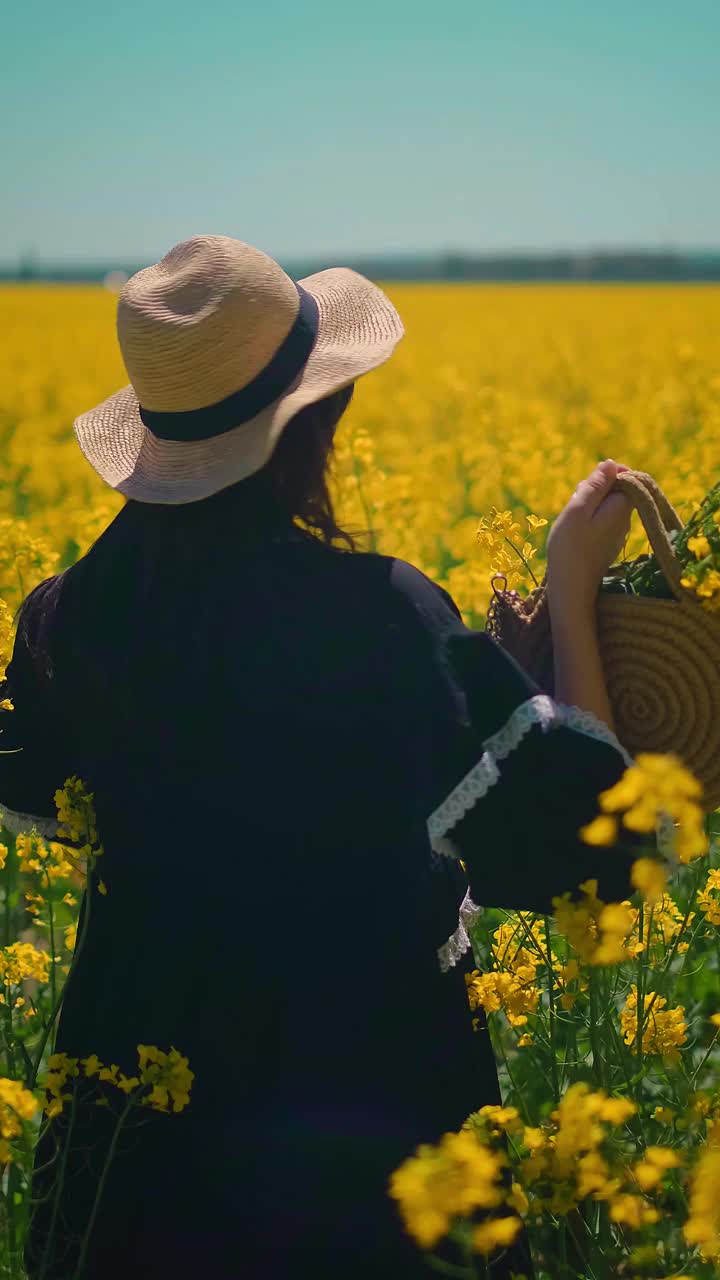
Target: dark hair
<point>152,555</point>
<point>298,470</point>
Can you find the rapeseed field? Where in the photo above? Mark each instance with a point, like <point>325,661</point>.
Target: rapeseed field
<point>605,1018</point>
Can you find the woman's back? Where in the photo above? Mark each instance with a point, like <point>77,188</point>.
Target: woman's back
<point>251,732</point>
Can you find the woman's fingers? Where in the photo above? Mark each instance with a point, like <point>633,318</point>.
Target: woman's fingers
<point>592,491</point>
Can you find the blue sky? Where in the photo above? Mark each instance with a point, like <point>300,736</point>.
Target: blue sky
<point>323,128</point>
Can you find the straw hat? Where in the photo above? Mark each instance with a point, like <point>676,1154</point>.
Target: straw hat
<point>222,348</point>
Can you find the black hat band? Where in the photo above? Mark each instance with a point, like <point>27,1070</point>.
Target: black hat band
<point>249,401</point>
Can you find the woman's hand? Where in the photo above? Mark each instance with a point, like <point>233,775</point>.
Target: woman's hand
<point>585,540</point>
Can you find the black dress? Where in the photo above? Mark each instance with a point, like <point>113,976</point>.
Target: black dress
<point>264,777</point>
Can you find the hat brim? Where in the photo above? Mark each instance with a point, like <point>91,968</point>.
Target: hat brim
<point>358,330</point>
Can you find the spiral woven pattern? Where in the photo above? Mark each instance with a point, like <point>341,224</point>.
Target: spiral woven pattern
<point>662,667</point>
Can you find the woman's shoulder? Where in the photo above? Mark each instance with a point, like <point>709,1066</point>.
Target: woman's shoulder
<point>405,585</point>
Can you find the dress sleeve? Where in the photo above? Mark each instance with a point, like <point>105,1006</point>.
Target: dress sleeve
<point>513,774</point>
<point>31,755</point>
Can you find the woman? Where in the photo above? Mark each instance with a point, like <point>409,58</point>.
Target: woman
<point>291,746</point>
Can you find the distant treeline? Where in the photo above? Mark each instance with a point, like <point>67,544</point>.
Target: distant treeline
<point>625,265</point>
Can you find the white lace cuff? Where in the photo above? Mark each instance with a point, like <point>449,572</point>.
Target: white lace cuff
<point>540,710</point>
<point>18,823</point>
<point>456,946</point>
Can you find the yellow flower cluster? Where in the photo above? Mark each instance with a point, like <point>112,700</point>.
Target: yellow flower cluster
<point>49,860</point>
<point>661,927</point>
<point>163,1078</point>
<point>6,643</point>
<point>510,983</point>
<point>656,786</point>
<point>709,899</point>
<point>577,1155</point>
<point>702,542</point>
<point>497,990</point>
<point>16,1105</point>
<point>21,960</point>
<point>440,1183</point>
<point>703,1224</point>
<point>76,817</point>
<point>169,1076</point>
<point>664,1030</point>
<point>597,931</point>
<point>510,550</point>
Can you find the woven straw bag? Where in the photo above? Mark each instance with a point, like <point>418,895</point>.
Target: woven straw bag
<point>661,656</point>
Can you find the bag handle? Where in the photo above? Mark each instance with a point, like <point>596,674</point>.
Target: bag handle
<point>659,519</point>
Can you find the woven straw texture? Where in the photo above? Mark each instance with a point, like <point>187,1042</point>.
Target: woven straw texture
<point>661,657</point>
<point>199,326</point>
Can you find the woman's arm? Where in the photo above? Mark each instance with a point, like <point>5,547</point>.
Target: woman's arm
<point>585,539</point>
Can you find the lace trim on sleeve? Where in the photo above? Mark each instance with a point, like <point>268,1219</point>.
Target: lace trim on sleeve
<point>540,710</point>
<point>18,823</point>
<point>459,942</point>
<point>585,722</point>
<point>476,784</point>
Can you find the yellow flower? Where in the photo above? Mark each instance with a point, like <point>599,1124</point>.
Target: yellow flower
<point>593,1178</point>
<point>22,960</point>
<point>708,900</point>
<point>650,877</point>
<point>127,1083</point>
<point>602,830</point>
<point>663,1029</point>
<point>578,1130</point>
<point>169,1075</point>
<point>442,1182</point>
<point>536,522</point>
<point>497,1233</point>
<point>616,1110</point>
<point>505,1119</point>
<point>615,923</point>
<point>703,1223</point>
<point>658,1160</point>
<point>658,786</point>
<point>16,1105</point>
<point>597,931</point>
<point>632,1211</point>
<point>497,990</point>
<point>534,1139</point>
<point>699,547</point>
<point>517,1199</point>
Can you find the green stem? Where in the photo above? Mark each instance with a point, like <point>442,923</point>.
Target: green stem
<point>497,1042</point>
<point>101,1186</point>
<point>705,1057</point>
<point>639,1008</point>
<point>9,876</point>
<point>53,977</point>
<point>519,553</point>
<point>49,1242</point>
<point>551,1002</point>
<point>593,1028</point>
<point>79,944</point>
<point>11,1216</point>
